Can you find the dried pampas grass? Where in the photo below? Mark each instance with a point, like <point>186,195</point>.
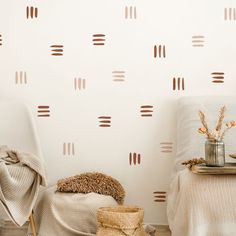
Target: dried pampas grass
<point>93,182</point>
<point>221,118</point>
<point>217,133</point>
<point>204,123</point>
<point>194,161</point>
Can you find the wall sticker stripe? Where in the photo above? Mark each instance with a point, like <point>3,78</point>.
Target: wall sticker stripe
<point>130,12</point>
<point>230,14</point>
<point>134,158</point>
<point>198,41</point>
<point>20,77</point>
<point>57,50</point>
<point>31,12</point>
<point>166,147</point>
<point>104,121</point>
<point>159,51</point>
<point>159,196</point>
<point>118,75</point>
<point>79,83</point>
<point>68,149</point>
<point>43,111</point>
<point>178,84</point>
<point>218,77</point>
<point>146,110</point>
<point>99,39</point>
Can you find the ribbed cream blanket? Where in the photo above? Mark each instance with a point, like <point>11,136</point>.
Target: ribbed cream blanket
<point>20,177</point>
<point>201,205</point>
<point>68,214</point>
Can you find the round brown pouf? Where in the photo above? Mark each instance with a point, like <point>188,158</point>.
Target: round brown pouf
<point>120,221</point>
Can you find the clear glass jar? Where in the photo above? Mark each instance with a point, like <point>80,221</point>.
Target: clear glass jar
<point>214,152</point>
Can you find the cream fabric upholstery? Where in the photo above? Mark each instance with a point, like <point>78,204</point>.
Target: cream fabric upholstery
<point>201,205</point>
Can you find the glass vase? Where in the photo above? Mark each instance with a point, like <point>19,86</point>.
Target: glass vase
<point>214,152</point>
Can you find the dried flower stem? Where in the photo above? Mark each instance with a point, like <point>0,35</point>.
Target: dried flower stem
<point>221,118</point>
<point>203,121</point>
<point>224,132</point>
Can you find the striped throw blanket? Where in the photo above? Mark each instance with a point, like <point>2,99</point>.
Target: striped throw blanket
<point>21,175</point>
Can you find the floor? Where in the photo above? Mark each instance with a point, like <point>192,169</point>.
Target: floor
<point>8,229</point>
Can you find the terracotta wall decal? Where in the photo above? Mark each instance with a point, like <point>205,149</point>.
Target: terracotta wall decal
<point>20,77</point>
<point>57,50</point>
<point>230,14</point>
<point>134,158</point>
<point>146,110</point>
<point>159,196</point>
<point>118,75</point>
<point>99,39</point>
<point>178,84</point>
<point>218,77</point>
<point>43,111</point>
<point>166,147</point>
<point>104,121</point>
<point>68,149</point>
<point>79,83</point>
<point>130,12</point>
<point>198,41</point>
<point>0,40</point>
<point>159,51</point>
<point>31,12</point>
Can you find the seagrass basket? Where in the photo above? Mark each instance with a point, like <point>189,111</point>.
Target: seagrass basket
<point>120,221</point>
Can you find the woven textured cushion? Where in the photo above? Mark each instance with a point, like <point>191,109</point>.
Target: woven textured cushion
<point>93,182</point>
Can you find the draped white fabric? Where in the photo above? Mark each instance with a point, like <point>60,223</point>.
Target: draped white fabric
<point>202,205</point>
<point>20,177</point>
<point>69,214</point>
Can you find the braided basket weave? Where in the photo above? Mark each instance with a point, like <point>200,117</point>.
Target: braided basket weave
<point>120,221</point>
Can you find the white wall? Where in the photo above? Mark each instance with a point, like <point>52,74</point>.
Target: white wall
<point>129,46</point>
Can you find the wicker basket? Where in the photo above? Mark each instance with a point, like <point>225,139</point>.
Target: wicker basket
<point>120,221</point>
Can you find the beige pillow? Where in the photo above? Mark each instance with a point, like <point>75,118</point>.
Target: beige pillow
<point>93,182</point>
